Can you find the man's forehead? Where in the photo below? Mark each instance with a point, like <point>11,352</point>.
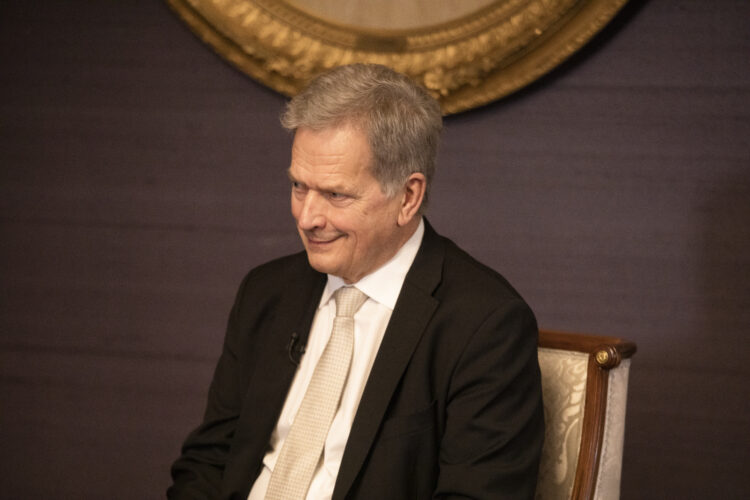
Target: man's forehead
<point>305,156</point>
<point>337,152</point>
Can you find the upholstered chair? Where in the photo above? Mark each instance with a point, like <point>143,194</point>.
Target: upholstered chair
<point>584,386</point>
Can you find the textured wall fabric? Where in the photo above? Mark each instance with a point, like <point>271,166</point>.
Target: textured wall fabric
<point>141,176</point>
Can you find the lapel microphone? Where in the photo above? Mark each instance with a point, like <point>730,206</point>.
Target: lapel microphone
<point>295,351</point>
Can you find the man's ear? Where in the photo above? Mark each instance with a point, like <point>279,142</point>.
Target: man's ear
<point>412,197</point>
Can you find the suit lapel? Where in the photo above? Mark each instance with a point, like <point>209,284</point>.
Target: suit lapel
<point>413,311</point>
<point>274,372</point>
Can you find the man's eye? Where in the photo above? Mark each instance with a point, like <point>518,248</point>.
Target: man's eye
<point>336,196</point>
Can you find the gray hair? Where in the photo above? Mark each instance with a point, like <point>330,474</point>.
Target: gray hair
<point>401,120</point>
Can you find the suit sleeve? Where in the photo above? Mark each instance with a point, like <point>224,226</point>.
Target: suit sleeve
<point>494,421</point>
<point>197,473</point>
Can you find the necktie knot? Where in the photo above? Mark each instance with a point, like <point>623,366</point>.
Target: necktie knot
<point>348,301</point>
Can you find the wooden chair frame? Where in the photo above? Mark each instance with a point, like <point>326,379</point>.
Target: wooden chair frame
<point>604,353</point>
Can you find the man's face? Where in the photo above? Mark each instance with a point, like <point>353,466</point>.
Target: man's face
<point>348,226</point>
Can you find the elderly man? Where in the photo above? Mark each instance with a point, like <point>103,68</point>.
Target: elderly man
<point>383,362</point>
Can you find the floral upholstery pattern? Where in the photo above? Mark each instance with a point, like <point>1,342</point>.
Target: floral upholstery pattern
<point>564,376</point>
<point>564,394</point>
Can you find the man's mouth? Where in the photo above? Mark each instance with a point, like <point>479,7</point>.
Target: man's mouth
<point>321,240</point>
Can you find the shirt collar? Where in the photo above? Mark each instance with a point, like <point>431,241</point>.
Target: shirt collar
<point>384,284</point>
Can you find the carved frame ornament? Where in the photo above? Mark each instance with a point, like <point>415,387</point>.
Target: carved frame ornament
<point>465,62</point>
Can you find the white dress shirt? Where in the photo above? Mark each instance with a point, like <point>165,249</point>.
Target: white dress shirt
<point>382,288</point>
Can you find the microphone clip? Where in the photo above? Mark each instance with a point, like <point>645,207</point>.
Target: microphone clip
<point>295,351</point>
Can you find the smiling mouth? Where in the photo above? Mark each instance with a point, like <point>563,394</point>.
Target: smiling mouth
<point>317,241</point>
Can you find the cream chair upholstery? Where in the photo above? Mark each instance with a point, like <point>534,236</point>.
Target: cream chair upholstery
<point>584,386</point>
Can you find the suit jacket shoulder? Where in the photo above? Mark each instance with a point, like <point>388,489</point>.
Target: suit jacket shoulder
<point>453,403</point>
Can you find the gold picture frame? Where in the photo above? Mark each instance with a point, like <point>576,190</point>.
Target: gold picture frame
<point>465,62</point>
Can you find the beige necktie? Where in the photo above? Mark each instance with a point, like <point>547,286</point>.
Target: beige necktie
<point>303,446</point>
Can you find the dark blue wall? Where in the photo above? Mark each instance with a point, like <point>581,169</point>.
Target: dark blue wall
<point>141,176</point>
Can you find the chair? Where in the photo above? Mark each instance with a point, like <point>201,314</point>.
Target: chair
<point>584,386</point>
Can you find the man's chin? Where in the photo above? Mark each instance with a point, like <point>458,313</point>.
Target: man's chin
<point>322,254</point>
<point>320,263</point>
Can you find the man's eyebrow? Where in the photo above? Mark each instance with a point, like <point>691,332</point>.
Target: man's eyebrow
<point>333,188</point>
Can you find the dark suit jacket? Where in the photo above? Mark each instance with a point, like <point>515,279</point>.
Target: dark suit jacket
<point>452,407</point>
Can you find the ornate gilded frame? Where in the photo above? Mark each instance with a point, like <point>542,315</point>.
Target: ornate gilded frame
<point>465,62</point>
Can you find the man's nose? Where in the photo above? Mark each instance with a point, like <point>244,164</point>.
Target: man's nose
<point>312,214</point>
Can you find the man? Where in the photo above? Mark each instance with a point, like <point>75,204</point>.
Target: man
<point>423,382</point>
